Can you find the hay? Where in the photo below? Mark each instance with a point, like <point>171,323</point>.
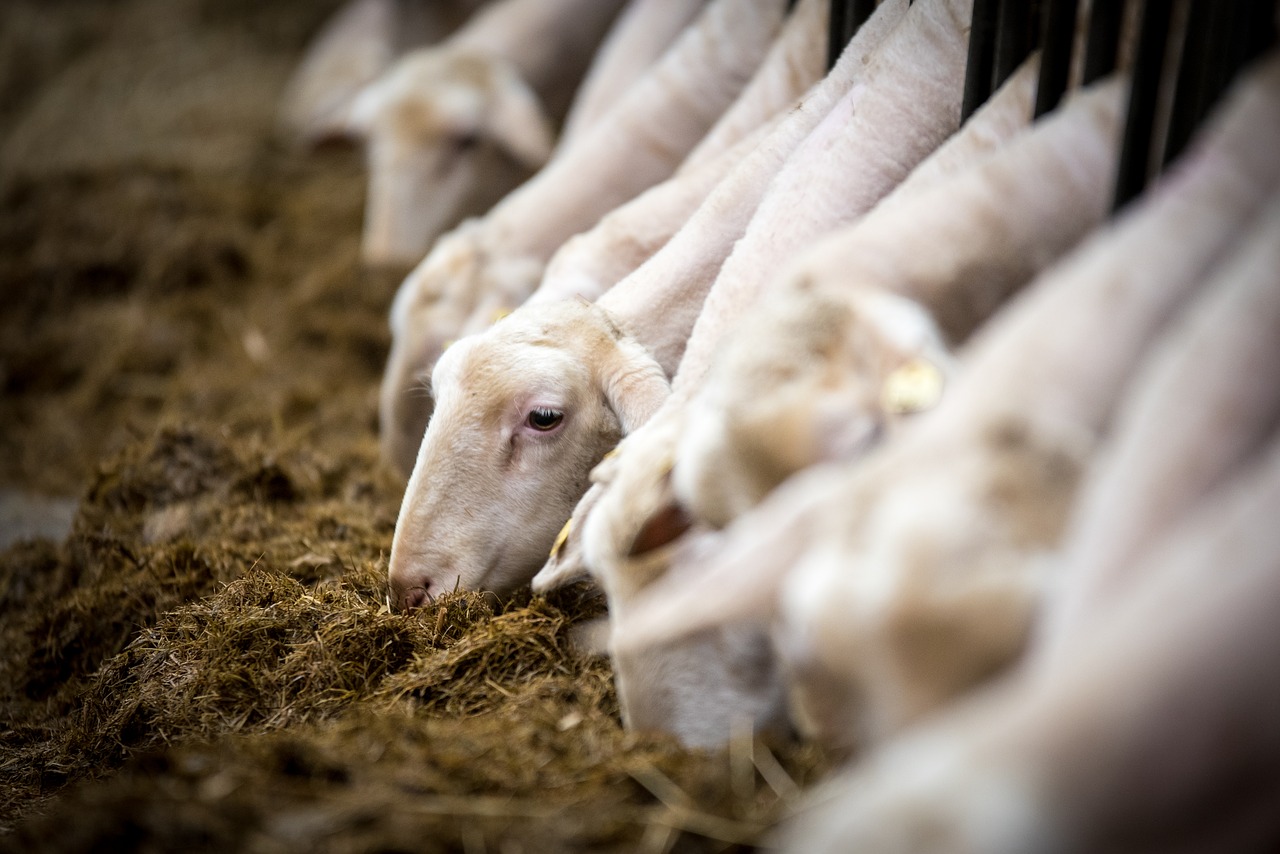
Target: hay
<point>208,661</point>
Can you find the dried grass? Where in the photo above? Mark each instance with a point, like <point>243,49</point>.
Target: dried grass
<point>208,661</point>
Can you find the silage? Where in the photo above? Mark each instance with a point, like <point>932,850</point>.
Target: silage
<point>209,662</point>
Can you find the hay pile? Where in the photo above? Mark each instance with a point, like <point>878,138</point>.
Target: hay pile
<point>189,350</point>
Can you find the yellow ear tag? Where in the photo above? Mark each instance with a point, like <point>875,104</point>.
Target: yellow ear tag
<point>447,344</point>
<point>498,314</point>
<point>913,387</point>
<point>561,537</point>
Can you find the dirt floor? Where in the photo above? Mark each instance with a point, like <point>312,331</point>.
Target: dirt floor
<point>189,357</point>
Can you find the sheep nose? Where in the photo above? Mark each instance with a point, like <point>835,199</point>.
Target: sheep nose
<point>415,597</point>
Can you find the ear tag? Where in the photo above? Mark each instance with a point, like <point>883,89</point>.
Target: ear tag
<point>447,344</point>
<point>498,314</point>
<point>561,538</point>
<point>912,387</point>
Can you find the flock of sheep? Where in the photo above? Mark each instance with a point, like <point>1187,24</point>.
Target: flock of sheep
<point>872,424</point>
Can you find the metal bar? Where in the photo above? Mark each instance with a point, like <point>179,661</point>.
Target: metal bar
<point>847,17</point>
<point>1252,35</point>
<point>981,58</point>
<point>1015,37</point>
<point>1057,39</point>
<point>859,11</point>
<point>836,40</point>
<point>1135,150</point>
<point>1102,45</point>
<point>1205,20</point>
<point>1231,35</point>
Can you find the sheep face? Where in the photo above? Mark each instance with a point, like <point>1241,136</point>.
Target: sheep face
<point>522,413</point>
<point>437,302</point>
<point>831,376</point>
<point>927,579</point>
<point>447,135</point>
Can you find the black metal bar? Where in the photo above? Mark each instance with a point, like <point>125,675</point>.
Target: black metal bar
<point>1252,33</point>
<point>1225,19</point>
<point>847,17</point>
<point>1102,43</point>
<point>1221,39</point>
<point>1058,35</point>
<point>836,40</point>
<point>859,11</point>
<point>1135,150</point>
<point>1205,20</point>
<point>1015,38</point>
<point>981,58</point>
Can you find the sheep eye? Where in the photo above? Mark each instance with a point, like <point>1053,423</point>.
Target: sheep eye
<point>466,141</point>
<point>544,419</point>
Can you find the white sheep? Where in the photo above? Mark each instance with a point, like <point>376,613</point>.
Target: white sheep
<point>897,109</point>
<point>909,576</point>
<point>590,263</point>
<point>452,127</point>
<point>643,31</point>
<point>1156,726</point>
<point>442,540</point>
<point>522,413</point>
<point>838,170</point>
<point>663,297</point>
<point>353,47</point>
<point>1162,639</point>
<point>827,365</point>
<point>495,263</point>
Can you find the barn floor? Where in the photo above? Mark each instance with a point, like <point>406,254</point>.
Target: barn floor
<point>189,356</point>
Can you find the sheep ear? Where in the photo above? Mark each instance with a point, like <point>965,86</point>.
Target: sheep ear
<point>666,525</point>
<point>634,383</point>
<point>357,118</point>
<point>517,123</point>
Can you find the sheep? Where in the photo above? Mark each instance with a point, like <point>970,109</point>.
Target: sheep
<point>497,261</point>
<point>589,263</point>
<point>812,376</point>
<point>523,412</point>
<point>438,543</point>
<point>914,574</point>
<point>1159,639</point>
<point>792,66</point>
<point>643,31</point>
<point>852,177</point>
<point>671,285</point>
<point>1205,401</point>
<point>869,140</point>
<point>356,45</point>
<point>1153,731</point>
<point>1001,118</point>
<point>452,127</point>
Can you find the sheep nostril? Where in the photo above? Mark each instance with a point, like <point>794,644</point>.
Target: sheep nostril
<point>415,597</point>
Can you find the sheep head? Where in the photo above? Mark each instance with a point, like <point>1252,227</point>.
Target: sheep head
<point>448,133</point>
<point>522,413</point>
<point>833,372</point>
<point>439,302</point>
